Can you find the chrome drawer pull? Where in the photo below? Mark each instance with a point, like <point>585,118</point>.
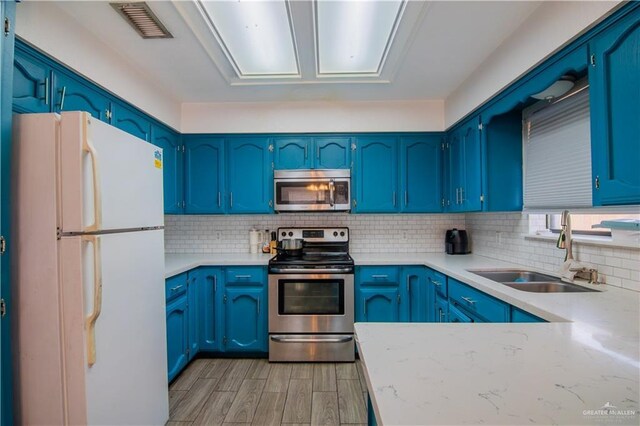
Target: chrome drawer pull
<point>239,277</point>
<point>381,277</point>
<point>469,300</point>
<point>176,288</point>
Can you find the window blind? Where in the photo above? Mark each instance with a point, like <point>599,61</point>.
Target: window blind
<point>557,155</point>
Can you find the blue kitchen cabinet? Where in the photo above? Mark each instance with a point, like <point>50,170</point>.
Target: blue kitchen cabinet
<point>332,152</point>
<point>376,175</point>
<point>614,78</point>
<point>379,295</point>
<point>177,336</point>
<point>518,315</point>
<point>126,118</point>
<point>441,308</point>
<point>420,174</point>
<point>193,290</point>
<point>208,305</point>
<point>249,175</point>
<point>464,167</point>
<point>476,304</point>
<point>420,300</point>
<point>453,171</point>
<point>245,310</point>
<point>204,174</point>
<point>71,93</point>
<point>173,165</point>
<point>456,315</point>
<point>175,286</point>
<point>31,83</point>
<point>293,152</point>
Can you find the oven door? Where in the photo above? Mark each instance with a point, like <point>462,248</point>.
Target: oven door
<point>312,194</point>
<point>311,303</point>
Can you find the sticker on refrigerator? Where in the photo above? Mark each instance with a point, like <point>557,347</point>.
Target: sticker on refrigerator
<point>158,159</point>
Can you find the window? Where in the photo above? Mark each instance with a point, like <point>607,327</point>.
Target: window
<point>582,223</point>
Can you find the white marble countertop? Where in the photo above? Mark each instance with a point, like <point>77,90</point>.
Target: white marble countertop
<point>175,264</point>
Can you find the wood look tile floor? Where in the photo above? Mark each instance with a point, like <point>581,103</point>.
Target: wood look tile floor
<point>254,392</point>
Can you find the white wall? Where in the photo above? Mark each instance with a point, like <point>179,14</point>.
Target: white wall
<point>549,27</point>
<point>50,29</point>
<point>288,117</point>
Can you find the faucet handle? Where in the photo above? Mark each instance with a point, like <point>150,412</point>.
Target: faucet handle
<point>593,276</point>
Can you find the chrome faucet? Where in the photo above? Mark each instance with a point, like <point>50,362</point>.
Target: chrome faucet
<point>564,240</point>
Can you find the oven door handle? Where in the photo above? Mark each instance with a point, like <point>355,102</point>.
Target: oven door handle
<point>311,271</point>
<point>281,339</point>
<point>332,190</point>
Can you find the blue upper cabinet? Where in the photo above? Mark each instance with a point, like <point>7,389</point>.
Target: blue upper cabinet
<point>292,152</point>
<point>376,175</point>
<point>31,83</point>
<point>249,175</point>
<point>131,121</point>
<point>204,174</point>
<point>172,164</point>
<point>420,174</point>
<point>453,171</point>
<point>614,77</point>
<point>332,152</point>
<point>70,93</point>
<point>464,168</point>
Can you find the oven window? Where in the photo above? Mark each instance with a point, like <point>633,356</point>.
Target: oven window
<point>311,297</point>
<point>302,192</point>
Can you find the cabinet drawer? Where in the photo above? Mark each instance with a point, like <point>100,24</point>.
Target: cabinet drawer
<point>478,303</point>
<point>518,315</point>
<point>439,281</point>
<point>245,275</point>
<point>175,286</point>
<point>384,275</point>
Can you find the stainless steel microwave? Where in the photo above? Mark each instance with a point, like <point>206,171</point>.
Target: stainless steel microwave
<point>312,190</point>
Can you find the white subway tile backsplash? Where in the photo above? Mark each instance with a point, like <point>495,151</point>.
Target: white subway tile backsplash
<point>369,233</point>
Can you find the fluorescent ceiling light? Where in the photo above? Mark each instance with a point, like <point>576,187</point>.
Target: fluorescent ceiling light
<point>257,36</point>
<point>354,36</point>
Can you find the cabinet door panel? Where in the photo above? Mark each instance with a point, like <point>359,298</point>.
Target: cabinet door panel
<point>131,121</point>
<point>249,175</point>
<point>420,171</point>
<point>177,336</point>
<point>378,304</point>
<point>209,286</point>
<point>194,318</point>
<point>615,108</point>
<point>419,306</point>
<point>454,173</point>
<point>245,329</point>
<point>204,175</point>
<point>172,163</point>
<point>71,94</point>
<point>332,153</point>
<point>31,84</point>
<point>292,153</point>
<point>376,175</point>
<point>471,168</point>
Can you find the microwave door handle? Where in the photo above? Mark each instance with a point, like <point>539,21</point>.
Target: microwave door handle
<point>332,190</point>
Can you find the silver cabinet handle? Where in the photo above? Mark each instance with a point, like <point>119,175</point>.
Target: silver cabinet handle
<point>469,300</point>
<point>45,83</point>
<point>318,152</point>
<point>461,195</point>
<point>406,198</point>
<point>230,199</point>
<point>457,195</point>
<point>312,271</point>
<point>219,198</point>
<point>441,314</point>
<point>380,277</point>
<point>409,295</point>
<point>215,283</point>
<point>63,92</point>
<point>240,277</point>
<point>332,190</point>
<point>437,283</point>
<point>364,307</point>
<point>176,288</point>
<point>305,151</point>
<point>258,307</point>
<point>394,198</point>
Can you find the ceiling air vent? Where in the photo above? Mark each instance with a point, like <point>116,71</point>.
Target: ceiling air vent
<point>142,19</point>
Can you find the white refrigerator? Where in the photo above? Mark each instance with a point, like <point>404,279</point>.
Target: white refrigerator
<point>89,340</point>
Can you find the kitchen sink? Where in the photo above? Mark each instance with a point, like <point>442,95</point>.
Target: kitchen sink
<point>533,282</point>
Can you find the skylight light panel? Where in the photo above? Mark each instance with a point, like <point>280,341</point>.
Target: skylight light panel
<point>256,35</point>
<point>354,36</point>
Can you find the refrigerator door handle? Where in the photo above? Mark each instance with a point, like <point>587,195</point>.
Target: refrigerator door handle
<point>97,298</point>
<point>87,146</point>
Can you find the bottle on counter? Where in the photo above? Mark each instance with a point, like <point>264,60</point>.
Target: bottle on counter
<point>273,243</point>
<point>266,245</point>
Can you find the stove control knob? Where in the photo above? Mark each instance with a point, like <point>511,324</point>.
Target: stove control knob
<point>335,233</point>
<point>342,233</point>
<point>290,234</point>
<point>284,234</point>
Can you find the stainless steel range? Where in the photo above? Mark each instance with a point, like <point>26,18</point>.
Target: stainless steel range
<point>311,297</point>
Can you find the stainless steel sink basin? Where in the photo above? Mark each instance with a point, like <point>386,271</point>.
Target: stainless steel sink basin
<point>530,281</point>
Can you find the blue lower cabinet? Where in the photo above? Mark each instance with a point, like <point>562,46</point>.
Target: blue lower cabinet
<point>193,284</point>
<point>208,305</point>
<point>378,304</point>
<point>441,308</point>
<point>420,299</point>
<point>177,336</point>
<point>371,415</point>
<point>245,325</point>
<point>518,315</point>
<point>457,315</point>
<point>476,303</point>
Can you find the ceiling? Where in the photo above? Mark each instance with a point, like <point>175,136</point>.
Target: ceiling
<point>439,47</point>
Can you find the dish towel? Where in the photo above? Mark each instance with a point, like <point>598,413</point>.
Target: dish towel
<point>572,269</point>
